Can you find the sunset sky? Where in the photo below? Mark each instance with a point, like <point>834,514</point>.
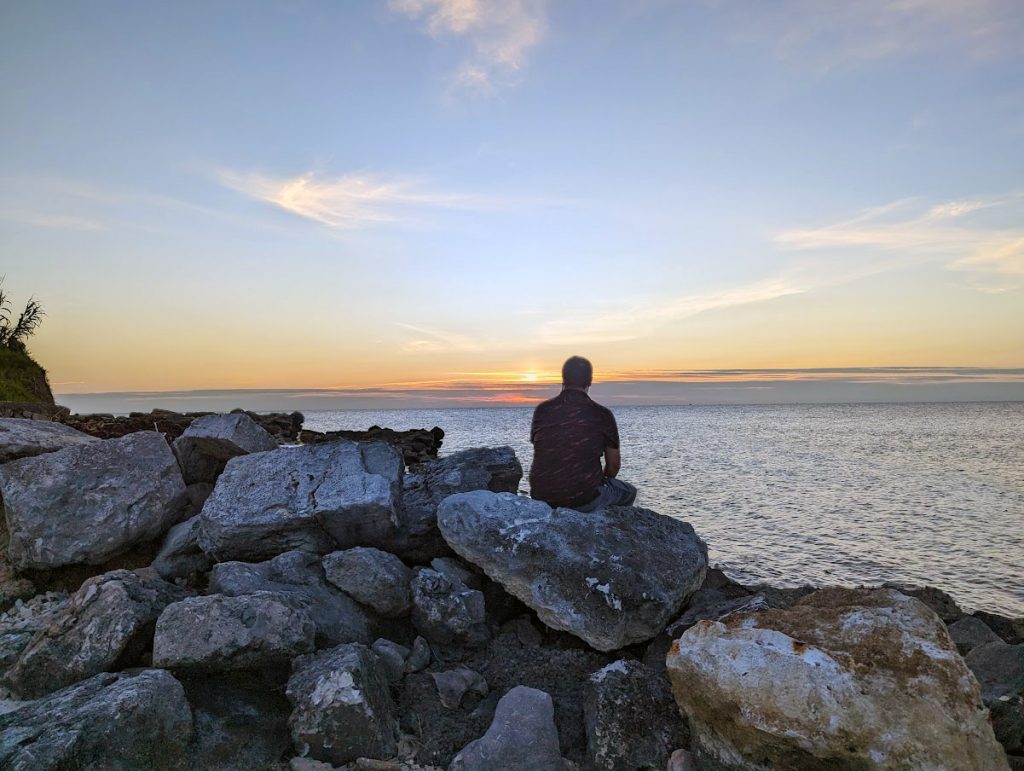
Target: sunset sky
<point>426,202</point>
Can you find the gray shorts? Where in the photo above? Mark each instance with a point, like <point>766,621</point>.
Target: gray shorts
<point>612,492</point>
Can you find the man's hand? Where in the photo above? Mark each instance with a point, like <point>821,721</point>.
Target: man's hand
<point>612,461</point>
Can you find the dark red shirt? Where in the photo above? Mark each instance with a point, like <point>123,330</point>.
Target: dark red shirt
<point>569,434</point>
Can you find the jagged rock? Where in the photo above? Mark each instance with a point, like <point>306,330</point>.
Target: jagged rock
<point>20,438</point>
<point>1011,630</point>
<point>375,578</point>
<point>611,577</point>
<point>417,445</point>
<point>110,721</point>
<point>342,707</point>
<point>180,555</point>
<point>704,609</point>
<point>108,621</point>
<point>936,599</point>
<point>631,719</point>
<point>970,632</point>
<point>447,612</point>
<point>90,502</point>
<point>299,577</point>
<point>318,498</point>
<point>522,736</point>
<point>857,678</point>
<point>239,722</point>
<point>453,684</point>
<point>212,440</point>
<point>999,668</point>
<point>392,656</point>
<point>219,633</point>
<point>458,572</point>
<point>20,624</point>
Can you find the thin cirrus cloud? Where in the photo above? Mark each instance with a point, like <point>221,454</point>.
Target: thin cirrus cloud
<point>499,33</point>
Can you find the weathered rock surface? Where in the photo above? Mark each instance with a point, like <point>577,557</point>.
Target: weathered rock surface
<point>715,610</point>
<point>318,498</point>
<point>611,577</point>
<point>375,578</point>
<point>631,718</point>
<point>417,445</point>
<point>521,736</point>
<point>212,440</point>
<point>392,656</point>
<point>20,438</point>
<point>180,555</point>
<point>936,599</point>
<point>999,668</point>
<point>20,624</point>
<point>970,632</point>
<point>108,621</point>
<point>342,707</point>
<point>90,502</point>
<point>109,721</point>
<point>846,678</point>
<point>453,684</point>
<point>219,633</point>
<point>299,578</point>
<point>446,612</point>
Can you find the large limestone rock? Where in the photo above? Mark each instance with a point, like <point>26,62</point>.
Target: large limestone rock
<point>318,498</point>
<point>106,722</point>
<point>218,633</point>
<point>20,438</point>
<point>521,736</point>
<point>90,502</point>
<point>845,678</point>
<point>377,579</point>
<point>298,578</point>
<point>211,441</point>
<point>109,620</point>
<point>342,707</point>
<point>611,577</point>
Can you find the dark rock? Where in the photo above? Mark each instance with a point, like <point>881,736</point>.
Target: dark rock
<point>109,721</point>
<point>342,707</point>
<point>21,438</point>
<point>521,736</point>
<point>446,612</point>
<point>219,633</point>
<point>970,632</point>
<point>25,619</point>
<point>782,598</point>
<point>180,555</point>
<point>299,578</point>
<point>612,577</point>
<point>631,718</point>
<point>1011,630</point>
<point>88,503</point>
<point>999,668</point>
<point>419,656</point>
<point>417,445</point>
<point>212,440</point>
<point>705,606</point>
<point>283,426</point>
<point>393,657</point>
<point>318,499</point>
<point>375,578</point>
<point>106,624</point>
<point>458,572</point>
<point>453,684</point>
<point>936,599</point>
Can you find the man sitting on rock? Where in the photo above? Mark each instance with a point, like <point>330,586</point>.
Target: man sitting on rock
<point>570,433</point>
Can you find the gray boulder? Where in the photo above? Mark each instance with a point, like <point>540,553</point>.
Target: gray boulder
<point>90,502</point>
<point>219,633</point>
<point>299,578</point>
<point>631,718</point>
<point>110,721</point>
<point>999,668</point>
<point>180,555</point>
<point>611,577</point>
<point>107,622</point>
<point>521,736</point>
<point>21,438</point>
<point>447,612</point>
<point>20,623</point>
<point>342,707</point>
<point>970,632</point>
<point>375,578</point>
<point>211,440</point>
<point>315,498</point>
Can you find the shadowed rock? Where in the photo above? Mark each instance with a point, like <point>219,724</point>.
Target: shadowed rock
<point>211,441</point>
<point>373,577</point>
<point>999,668</point>
<point>970,632</point>
<point>447,612</point>
<point>20,438</point>
<point>91,502</point>
<point>180,555</point>
<point>612,577</point>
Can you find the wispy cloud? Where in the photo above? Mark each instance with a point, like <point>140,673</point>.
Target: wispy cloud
<point>437,341</point>
<point>45,220</point>
<point>499,32</point>
<point>349,201</point>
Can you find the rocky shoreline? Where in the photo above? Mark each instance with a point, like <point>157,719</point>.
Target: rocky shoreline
<point>205,596</point>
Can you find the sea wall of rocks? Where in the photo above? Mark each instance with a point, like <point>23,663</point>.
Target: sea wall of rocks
<point>332,605</point>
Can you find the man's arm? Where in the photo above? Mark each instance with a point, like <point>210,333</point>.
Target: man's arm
<point>612,461</point>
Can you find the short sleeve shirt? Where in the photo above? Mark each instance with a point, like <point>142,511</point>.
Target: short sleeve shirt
<point>569,434</point>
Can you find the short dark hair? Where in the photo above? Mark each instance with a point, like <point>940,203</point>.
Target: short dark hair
<point>577,372</point>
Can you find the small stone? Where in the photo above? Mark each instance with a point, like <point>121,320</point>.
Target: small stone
<point>392,656</point>
<point>453,684</point>
<point>419,657</point>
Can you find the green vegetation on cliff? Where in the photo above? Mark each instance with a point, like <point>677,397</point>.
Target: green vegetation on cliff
<point>21,378</point>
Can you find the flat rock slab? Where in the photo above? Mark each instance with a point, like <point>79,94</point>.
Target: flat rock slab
<point>88,503</point>
<point>317,498</point>
<point>845,678</point>
<point>219,633</point>
<point>21,438</point>
<point>612,577</point>
<point>106,722</point>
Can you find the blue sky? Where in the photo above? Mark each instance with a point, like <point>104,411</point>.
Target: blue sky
<point>362,194</point>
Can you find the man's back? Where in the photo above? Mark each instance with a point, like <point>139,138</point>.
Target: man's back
<point>569,434</point>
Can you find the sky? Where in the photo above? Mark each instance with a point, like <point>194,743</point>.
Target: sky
<point>435,202</point>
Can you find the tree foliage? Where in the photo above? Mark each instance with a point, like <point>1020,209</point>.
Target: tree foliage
<point>14,333</point>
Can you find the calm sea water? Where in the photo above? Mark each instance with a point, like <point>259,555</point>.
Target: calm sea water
<point>820,494</point>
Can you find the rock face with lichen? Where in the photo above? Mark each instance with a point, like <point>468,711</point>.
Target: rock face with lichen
<point>845,678</point>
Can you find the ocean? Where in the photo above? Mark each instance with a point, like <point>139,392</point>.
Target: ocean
<point>823,494</point>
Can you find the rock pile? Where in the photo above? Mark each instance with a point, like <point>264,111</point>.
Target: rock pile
<point>282,426</point>
<point>324,606</point>
<point>416,445</point>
